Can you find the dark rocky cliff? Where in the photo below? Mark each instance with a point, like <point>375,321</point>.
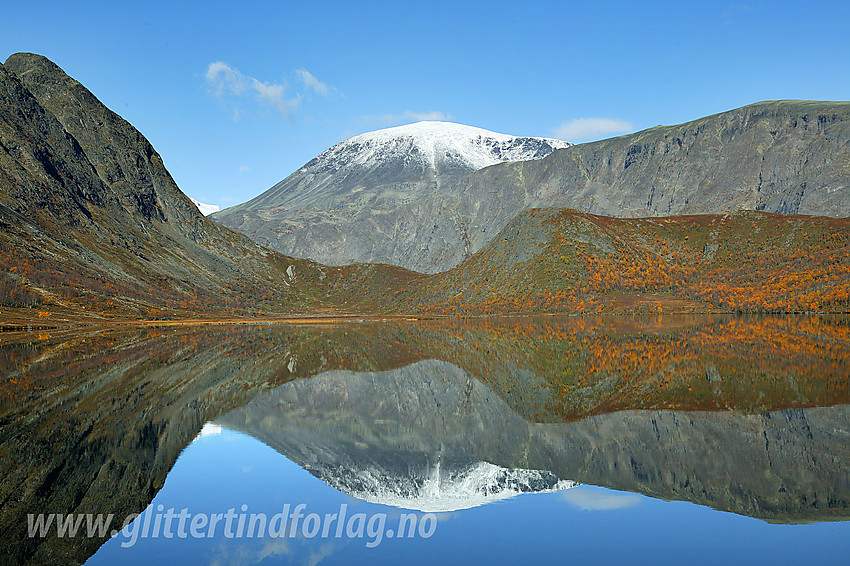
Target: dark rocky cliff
<point>124,160</point>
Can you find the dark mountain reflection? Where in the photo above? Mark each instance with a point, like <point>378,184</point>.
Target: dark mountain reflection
<point>429,436</point>
<point>742,414</point>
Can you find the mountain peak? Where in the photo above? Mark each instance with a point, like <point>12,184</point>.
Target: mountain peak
<point>367,198</point>
<point>23,62</point>
<point>440,144</point>
<point>431,130</point>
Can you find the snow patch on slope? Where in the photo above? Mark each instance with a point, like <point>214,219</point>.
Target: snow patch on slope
<point>206,209</point>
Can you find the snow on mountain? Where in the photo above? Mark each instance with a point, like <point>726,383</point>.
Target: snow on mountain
<point>206,209</point>
<point>437,143</point>
<point>388,196</point>
<point>396,164</point>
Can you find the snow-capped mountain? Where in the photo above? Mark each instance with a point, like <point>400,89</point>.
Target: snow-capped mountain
<point>381,197</point>
<point>387,196</point>
<point>436,146</point>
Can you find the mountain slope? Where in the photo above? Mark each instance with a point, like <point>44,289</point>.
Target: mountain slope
<point>784,157</point>
<point>123,159</point>
<point>562,260</point>
<point>381,196</point>
<point>92,221</point>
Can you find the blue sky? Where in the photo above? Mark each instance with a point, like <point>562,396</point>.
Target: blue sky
<point>237,97</point>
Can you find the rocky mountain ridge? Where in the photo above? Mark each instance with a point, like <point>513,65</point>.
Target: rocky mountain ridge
<point>784,157</point>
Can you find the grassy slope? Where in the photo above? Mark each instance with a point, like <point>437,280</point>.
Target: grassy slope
<point>563,260</point>
<point>546,260</point>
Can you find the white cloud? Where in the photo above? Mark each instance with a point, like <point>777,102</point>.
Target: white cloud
<point>274,95</point>
<point>586,129</point>
<point>589,498</point>
<point>225,81</point>
<point>314,84</point>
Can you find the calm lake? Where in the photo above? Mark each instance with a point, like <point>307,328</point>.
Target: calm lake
<point>696,439</point>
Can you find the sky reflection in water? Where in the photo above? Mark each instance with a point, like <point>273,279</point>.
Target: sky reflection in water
<point>584,524</point>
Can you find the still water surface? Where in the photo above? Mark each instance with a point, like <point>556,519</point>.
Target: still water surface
<point>576,440</point>
<point>585,524</point>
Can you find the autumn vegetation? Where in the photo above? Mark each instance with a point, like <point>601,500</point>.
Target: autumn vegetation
<point>558,260</point>
<point>548,369</point>
<point>545,261</point>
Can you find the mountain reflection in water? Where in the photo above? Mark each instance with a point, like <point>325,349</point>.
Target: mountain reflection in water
<point>431,437</point>
<point>742,414</point>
